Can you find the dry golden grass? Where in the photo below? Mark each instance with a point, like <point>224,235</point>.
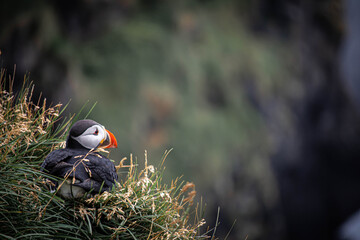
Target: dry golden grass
<point>139,207</point>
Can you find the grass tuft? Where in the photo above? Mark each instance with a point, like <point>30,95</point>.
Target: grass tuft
<point>139,207</point>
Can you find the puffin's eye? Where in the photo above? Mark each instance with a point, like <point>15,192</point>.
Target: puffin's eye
<point>96,132</point>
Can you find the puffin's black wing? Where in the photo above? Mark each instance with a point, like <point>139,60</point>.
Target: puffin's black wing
<point>102,170</point>
<point>92,172</point>
<point>54,158</point>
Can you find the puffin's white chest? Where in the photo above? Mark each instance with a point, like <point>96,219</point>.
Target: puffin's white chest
<point>69,191</point>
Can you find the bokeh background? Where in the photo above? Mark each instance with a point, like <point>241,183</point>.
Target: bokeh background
<point>259,99</point>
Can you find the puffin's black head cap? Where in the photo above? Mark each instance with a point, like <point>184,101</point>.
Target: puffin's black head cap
<point>77,129</point>
<point>80,126</point>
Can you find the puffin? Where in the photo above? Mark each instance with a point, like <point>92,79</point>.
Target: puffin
<point>80,168</point>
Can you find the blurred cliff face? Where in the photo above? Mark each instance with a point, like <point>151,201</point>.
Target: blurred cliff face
<point>248,94</point>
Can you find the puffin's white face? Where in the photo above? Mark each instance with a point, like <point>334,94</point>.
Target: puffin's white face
<point>92,137</point>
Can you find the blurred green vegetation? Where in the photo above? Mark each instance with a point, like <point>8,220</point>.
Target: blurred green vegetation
<point>186,77</point>
<point>186,84</point>
<point>159,87</point>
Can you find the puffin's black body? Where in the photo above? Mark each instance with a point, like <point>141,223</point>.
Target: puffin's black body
<point>83,167</point>
<point>103,174</point>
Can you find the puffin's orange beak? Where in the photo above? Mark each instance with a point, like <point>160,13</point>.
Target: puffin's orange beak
<point>113,142</point>
<point>109,141</point>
